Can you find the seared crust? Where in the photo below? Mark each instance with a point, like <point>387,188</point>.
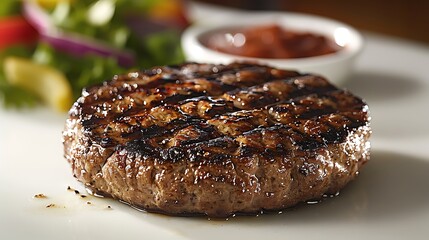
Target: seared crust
<point>216,139</point>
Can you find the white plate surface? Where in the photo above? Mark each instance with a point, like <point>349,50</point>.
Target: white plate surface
<point>389,200</point>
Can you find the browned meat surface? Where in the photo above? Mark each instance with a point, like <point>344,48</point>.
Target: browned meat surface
<point>216,139</point>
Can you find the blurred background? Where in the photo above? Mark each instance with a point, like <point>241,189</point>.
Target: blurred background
<point>407,19</point>
<point>78,43</point>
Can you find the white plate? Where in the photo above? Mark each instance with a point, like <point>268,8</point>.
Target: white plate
<point>390,200</point>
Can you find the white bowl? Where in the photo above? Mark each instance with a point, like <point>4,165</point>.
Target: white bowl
<point>336,66</point>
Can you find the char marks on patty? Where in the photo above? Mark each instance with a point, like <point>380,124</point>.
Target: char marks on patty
<point>224,124</point>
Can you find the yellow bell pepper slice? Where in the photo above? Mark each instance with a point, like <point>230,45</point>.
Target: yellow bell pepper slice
<point>46,82</point>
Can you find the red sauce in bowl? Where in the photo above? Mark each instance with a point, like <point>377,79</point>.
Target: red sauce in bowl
<point>270,41</point>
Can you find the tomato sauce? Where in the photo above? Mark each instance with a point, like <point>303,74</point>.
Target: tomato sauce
<point>270,41</point>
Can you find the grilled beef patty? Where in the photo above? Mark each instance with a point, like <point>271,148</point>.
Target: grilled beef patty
<point>216,139</point>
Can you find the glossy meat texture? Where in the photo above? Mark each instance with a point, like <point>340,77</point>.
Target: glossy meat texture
<point>216,140</point>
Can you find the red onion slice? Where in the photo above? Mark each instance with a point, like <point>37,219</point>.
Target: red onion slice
<point>72,43</point>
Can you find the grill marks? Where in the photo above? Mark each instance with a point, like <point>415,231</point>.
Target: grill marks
<point>217,112</point>
<point>142,98</point>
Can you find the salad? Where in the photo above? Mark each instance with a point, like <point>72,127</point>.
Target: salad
<point>51,49</point>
